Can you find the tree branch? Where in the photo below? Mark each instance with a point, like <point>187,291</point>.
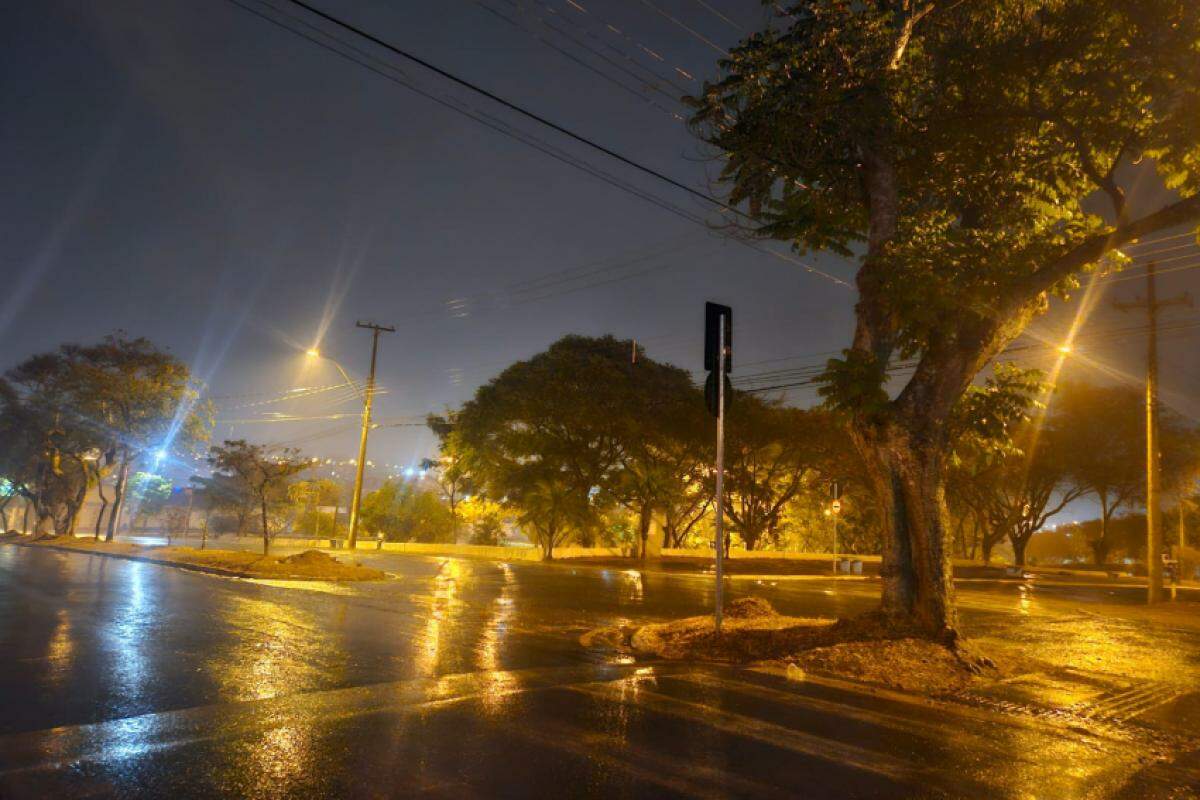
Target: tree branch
<point>1091,249</point>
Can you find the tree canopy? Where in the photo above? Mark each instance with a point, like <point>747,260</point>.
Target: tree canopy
<point>954,149</point>
<point>258,472</point>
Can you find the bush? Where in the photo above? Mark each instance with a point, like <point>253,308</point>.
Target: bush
<point>317,524</point>
<point>488,529</point>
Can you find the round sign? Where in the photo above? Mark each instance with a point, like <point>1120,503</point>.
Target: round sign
<point>836,506</point>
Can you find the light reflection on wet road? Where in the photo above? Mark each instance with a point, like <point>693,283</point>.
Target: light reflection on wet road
<point>465,678</point>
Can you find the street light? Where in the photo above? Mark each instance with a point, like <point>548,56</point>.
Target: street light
<point>315,353</point>
<point>367,395</point>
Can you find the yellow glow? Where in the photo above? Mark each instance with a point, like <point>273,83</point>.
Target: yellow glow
<point>1064,349</point>
<point>313,352</point>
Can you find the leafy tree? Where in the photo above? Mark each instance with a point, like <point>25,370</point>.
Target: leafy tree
<point>541,437</point>
<point>226,494</point>
<point>771,452</point>
<point>254,472</point>
<point>122,398</point>
<point>148,496</point>
<point>1103,435</point>
<point>582,427</point>
<point>1031,488</point>
<point>484,518</point>
<point>663,448</point>
<point>405,514</point>
<point>43,460</point>
<point>310,496</point>
<point>952,148</point>
<point>487,527</point>
<point>450,469</point>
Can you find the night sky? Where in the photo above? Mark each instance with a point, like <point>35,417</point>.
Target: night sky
<point>190,172</point>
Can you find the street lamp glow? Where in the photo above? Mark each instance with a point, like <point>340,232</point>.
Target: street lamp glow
<point>312,352</point>
<point>1064,349</point>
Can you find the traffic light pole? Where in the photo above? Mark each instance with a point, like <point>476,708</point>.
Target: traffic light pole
<point>369,395</point>
<point>720,540</point>
<point>835,509</point>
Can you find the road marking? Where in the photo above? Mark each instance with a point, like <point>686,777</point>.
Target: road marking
<point>1132,702</point>
<point>749,727</point>
<point>685,777</point>
<point>933,726</point>
<point>130,736</point>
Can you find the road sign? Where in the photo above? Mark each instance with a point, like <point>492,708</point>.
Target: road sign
<point>836,505</point>
<point>710,393</point>
<point>713,313</point>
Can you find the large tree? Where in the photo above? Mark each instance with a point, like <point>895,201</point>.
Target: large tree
<point>771,452</point>
<point>48,457</point>
<point>1102,430</point>
<point>449,470</point>
<point>122,399</point>
<point>953,149</point>
<point>258,472</point>
<point>574,428</point>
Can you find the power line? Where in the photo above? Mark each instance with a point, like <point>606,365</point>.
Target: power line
<point>691,31</point>
<point>495,98</point>
<point>464,109</point>
<point>507,130</point>
<point>719,15</point>
<point>1176,268</point>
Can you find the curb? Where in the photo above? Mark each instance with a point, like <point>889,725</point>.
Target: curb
<point>220,572</point>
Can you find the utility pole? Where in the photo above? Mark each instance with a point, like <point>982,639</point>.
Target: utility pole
<point>356,500</point>
<point>1154,537</point>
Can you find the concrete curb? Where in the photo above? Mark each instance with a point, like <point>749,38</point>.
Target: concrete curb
<point>219,572</point>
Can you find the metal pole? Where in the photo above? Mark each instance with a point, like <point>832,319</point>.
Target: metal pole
<point>720,541</point>
<point>835,543</point>
<point>356,501</point>
<point>834,512</point>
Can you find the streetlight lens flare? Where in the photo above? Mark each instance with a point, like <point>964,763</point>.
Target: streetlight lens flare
<point>312,352</point>
<point>1064,349</point>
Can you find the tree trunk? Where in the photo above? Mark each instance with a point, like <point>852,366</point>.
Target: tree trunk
<point>645,515</point>
<point>906,474</point>
<point>118,498</point>
<point>986,549</point>
<point>1100,548</point>
<point>1019,543</point>
<point>266,533</point>
<point>103,506</point>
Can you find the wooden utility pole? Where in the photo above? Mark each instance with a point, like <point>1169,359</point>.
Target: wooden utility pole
<point>356,500</point>
<point>1154,537</point>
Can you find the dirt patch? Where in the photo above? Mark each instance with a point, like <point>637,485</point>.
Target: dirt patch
<point>867,648</point>
<point>911,665</point>
<point>749,608</point>
<point>309,565</point>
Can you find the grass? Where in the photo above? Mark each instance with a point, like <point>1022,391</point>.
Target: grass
<point>310,565</point>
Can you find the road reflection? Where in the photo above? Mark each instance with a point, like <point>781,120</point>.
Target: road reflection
<point>498,683</point>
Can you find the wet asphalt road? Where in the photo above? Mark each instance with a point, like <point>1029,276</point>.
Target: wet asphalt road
<point>466,679</point>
